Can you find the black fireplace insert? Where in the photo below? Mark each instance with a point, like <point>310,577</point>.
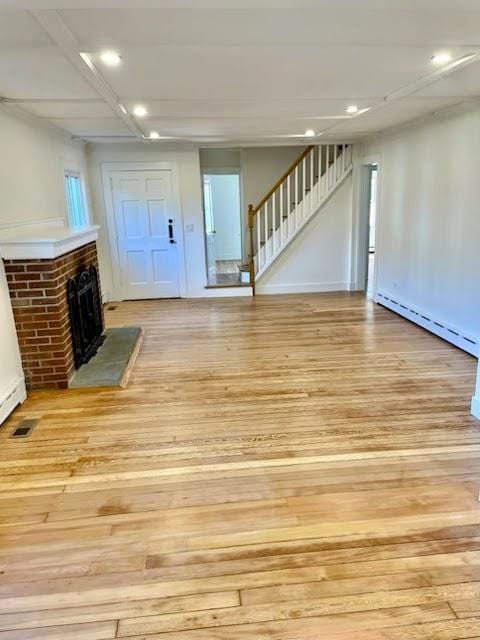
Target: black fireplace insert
<point>86,318</point>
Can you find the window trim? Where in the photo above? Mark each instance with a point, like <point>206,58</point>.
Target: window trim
<point>85,216</point>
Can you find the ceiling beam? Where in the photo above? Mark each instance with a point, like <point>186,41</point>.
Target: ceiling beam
<point>64,39</point>
<point>417,85</point>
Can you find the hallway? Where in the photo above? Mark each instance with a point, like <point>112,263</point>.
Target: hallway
<point>296,466</point>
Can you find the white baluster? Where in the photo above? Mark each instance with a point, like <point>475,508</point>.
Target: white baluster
<point>312,159</point>
<point>325,181</point>
<point>296,199</point>
<point>282,209</point>
<point>312,162</point>
<point>265,230</point>
<point>259,239</point>
<point>335,166</point>
<point>274,222</point>
<point>319,172</point>
<point>304,185</point>
<point>319,179</point>
<point>289,204</point>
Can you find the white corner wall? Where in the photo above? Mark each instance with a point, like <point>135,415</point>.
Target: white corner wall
<point>318,259</point>
<point>262,167</point>
<point>33,160</point>
<point>429,219</point>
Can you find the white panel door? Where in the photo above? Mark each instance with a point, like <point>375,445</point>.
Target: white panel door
<point>145,221</point>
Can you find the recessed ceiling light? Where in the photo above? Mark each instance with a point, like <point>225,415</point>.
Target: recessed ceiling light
<point>140,111</point>
<point>309,133</point>
<point>352,109</point>
<point>154,135</point>
<point>110,58</point>
<point>441,58</point>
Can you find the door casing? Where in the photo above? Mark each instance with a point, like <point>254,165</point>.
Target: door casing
<point>360,219</point>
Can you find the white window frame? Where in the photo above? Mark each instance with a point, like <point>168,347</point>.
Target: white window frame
<point>85,221</point>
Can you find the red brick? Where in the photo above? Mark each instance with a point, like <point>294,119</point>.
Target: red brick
<point>39,297</point>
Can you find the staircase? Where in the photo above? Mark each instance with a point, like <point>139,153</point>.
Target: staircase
<point>292,201</point>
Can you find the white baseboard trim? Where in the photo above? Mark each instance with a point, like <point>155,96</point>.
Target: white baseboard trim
<point>476,406</point>
<point>11,397</point>
<point>302,287</point>
<point>448,332</point>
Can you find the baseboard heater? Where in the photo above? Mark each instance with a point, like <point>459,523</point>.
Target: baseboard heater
<point>11,397</point>
<point>439,328</point>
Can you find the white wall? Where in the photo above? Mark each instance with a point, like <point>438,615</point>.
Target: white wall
<point>218,158</point>
<point>227,216</point>
<point>262,167</point>
<point>33,159</point>
<point>429,218</point>
<point>319,257</point>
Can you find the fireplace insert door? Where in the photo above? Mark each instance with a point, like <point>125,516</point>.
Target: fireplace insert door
<point>86,318</point>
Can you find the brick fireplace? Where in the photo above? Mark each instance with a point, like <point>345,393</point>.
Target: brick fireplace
<point>38,292</point>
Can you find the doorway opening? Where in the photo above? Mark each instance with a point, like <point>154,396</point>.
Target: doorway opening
<point>223,228</point>
<point>372,215</point>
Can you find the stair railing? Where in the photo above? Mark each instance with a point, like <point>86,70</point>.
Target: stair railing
<point>288,205</point>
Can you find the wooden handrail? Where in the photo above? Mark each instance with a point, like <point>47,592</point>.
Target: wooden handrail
<point>305,153</point>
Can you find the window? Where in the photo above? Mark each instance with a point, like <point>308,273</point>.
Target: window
<point>77,215</point>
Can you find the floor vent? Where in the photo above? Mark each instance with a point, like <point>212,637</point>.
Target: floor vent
<point>24,428</point>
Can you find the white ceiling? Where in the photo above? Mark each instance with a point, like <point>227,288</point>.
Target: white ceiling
<point>238,71</point>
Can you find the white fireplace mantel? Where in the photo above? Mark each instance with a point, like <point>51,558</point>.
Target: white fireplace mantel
<point>43,240</point>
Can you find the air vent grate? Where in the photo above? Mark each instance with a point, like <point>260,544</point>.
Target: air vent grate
<point>24,428</point>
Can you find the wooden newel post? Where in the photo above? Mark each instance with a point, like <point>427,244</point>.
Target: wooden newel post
<point>251,223</point>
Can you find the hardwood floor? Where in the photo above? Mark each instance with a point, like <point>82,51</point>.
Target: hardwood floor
<point>284,467</point>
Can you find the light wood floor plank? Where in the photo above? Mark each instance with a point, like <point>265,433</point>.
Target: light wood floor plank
<point>279,467</point>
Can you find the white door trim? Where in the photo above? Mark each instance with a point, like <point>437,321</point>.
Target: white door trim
<point>107,169</point>
<point>360,222</point>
